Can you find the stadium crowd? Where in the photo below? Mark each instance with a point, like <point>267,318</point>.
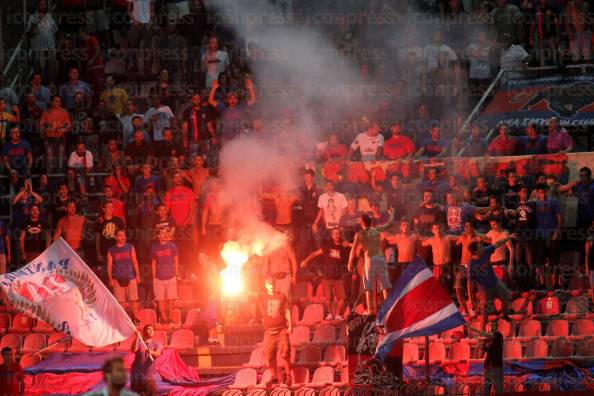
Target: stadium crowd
<point>114,142</point>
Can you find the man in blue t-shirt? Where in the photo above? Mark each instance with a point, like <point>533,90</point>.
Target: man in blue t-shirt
<point>548,232</point>
<point>165,269</point>
<point>123,273</point>
<point>17,154</point>
<point>489,286</point>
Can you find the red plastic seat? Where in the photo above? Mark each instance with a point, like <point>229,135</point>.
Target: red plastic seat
<point>561,348</point>
<point>4,322</point>
<point>300,291</point>
<point>512,350</point>
<point>334,355</point>
<point>530,328</point>
<point>182,339</point>
<point>295,314</point>
<point>42,327</point>
<point>14,341</point>
<point>576,306</point>
<point>579,282</point>
<point>452,335</point>
<point>256,359</point>
<point>323,376</point>
<point>126,345</point>
<point>266,377</point>
<point>21,323</point>
<point>582,328</point>
<point>324,334</point>
<point>410,353</point>
<point>557,328</point>
<point>537,349</point>
<point>585,348</point>
<point>310,356</point>
<point>147,317</point>
<point>161,336</point>
<point>343,336</point>
<point>521,308</point>
<point>33,343</point>
<point>319,296</point>
<point>244,379</point>
<point>460,352</point>
<point>437,352</point>
<point>313,314</point>
<point>548,306</point>
<point>300,376</point>
<point>299,336</point>
<point>29,360</point>
<point>61,346</point>
<point>360,309</point>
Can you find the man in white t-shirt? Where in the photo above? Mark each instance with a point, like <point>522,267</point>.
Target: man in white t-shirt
<point>81,160</point>
<point>432,51</point>
<point>158,117</point>
<point>332,205</point>
<point>370,143</point>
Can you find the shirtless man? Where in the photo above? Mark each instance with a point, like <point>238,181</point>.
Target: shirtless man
<point>212,220</point>
<point>369,239</point>
<point>441,250</point>
<point>461,281</point>
<point>406,244</point>
<point>196,176</point>
<point>284,201</point>
<point>281,265</point>
<point>499,258</point>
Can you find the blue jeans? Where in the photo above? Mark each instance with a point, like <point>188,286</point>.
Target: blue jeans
<point>55,152</point>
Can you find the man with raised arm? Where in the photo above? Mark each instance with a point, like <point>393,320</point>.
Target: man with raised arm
<point>369,239</point>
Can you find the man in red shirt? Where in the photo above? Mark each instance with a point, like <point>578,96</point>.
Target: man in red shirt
<point>398,146</point>
<point>503,144</point>
<point>182,206</point>
<point>12,376</point>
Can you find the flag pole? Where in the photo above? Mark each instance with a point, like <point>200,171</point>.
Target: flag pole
<point>52,344</point>
<point>111,296</point>
<point>427,359</point>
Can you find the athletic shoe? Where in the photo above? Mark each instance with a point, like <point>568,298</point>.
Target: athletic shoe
<point>329,317</point>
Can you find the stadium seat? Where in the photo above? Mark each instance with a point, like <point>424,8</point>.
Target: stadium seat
<point>460,352</point>
<point>557,328</point>
<point>147,317</point>
<point>258,391</point>
<point>579,282</point>
<point>256,359</point>
<point>185,295</point>
<point>161,336</point>
<point>319,296</point>
<point>299,336</point>
<point>521,308</point>
<point>177,317</point>
<point>77,346</point>
<point>192,319</point>
<point>547,306</point>
<point>576,307</point>
<point>300,292</point>
<point>4,322</point>
<point>313,314</point>
<point>437,352</point>
<point>324,335</point>
<point>410,353</point>
<point>323,376</point>
<point>585,348</point>
<point>21,323</point>
<point>334,355</point>
<point>61,346</point>
<point>300,376</point>
<point>124,346</point>
<point>182,339</point>
<point>244,379</point>
<point>561,348</point>
<point>33,343</point>
<point>504,327</point>
<point>29,360</point>
<point>582,328</point>
<point>360,309</point>
<point>343,337</point>
<point>279,391</point>
<point>452,335</point>
<point>537,349</point>
<point>11,340</point>
<point>304,392</point>
<point>295,314</point>
<point>310,356</point>
<point>266,377</point>
<point>530,328</point>
<point>42,327</point>
<point>512,350</point>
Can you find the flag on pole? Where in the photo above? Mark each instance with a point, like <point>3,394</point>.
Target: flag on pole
<point>60,289</point>
<point>417,306</point>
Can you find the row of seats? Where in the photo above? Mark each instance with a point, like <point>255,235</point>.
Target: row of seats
<point>550,306</point>
<point>323,334</point>
<point>308,356</point>
<point>181,339</point>
<point>247,378</point>
<point>464,351</point>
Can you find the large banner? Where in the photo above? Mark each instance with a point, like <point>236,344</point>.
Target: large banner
<point>60,289</point>
<point>570,98</point>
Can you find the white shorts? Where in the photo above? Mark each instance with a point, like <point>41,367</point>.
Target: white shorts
<point>165,289</point>
<point>126,293</point>
<point>375,267</point>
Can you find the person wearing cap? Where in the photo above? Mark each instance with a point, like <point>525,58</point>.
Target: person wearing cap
<point>398,146</point>
<point>278,325</point>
